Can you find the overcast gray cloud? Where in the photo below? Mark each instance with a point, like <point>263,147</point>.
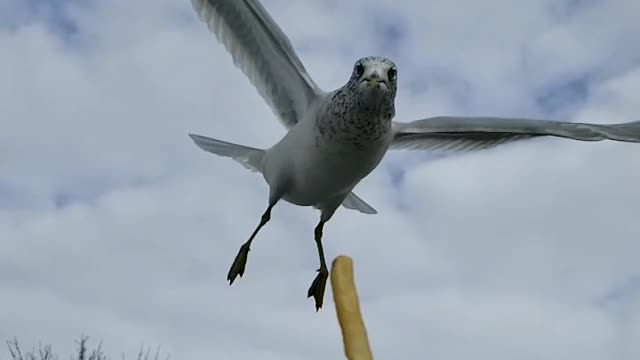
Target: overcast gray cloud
<point>113,224</point>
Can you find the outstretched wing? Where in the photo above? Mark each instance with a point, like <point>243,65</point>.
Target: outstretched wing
<point>448,133</point>
<point>263,53</point>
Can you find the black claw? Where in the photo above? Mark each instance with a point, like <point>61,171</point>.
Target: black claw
<point>317,288</point>
<point>239,263</point>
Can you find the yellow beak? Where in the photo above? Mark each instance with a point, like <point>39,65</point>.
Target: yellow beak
<point>373,83</point>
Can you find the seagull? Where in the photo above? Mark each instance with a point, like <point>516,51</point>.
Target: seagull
<point>336,138</point>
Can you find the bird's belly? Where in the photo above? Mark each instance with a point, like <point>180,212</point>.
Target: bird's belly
<point>330,173</point>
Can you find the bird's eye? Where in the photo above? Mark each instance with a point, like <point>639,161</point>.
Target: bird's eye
<point>391,74</point>
<point>359,69</point>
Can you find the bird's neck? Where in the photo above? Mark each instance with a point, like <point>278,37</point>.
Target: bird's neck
<point>356,118</point>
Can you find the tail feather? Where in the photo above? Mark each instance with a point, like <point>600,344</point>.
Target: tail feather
<point>250,158</point>
<point>353,202</point>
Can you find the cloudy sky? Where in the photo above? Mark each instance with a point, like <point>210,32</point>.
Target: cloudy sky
<point>114,225</point>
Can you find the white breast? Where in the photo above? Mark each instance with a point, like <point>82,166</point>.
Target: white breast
<point>316,169</point>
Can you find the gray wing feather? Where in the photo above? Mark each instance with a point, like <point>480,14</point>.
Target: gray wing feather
<point>263,52</point>
<point>448,133</point>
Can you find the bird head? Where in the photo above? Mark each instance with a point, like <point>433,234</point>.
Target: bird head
<point>375,76</point>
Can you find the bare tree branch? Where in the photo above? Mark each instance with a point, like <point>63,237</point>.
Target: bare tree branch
<point>83,352</point>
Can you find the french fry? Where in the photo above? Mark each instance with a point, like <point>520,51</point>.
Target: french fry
<point>345,298</point>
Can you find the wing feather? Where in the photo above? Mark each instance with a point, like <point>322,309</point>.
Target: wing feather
<point>263,52</point>
<point>448,133</point>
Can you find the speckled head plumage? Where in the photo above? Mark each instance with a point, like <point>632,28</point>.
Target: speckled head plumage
<point>361,111</point>
<point>363,108</point>
<point>375,73</point>
<point>373,85</point>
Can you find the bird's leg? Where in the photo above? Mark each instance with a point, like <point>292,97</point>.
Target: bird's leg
<point>319,283</point>
<point>237,268</point>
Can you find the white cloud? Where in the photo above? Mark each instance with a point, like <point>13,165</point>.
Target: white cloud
<point>504,253</point>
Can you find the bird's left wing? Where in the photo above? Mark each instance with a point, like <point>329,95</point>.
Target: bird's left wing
<point>448,133</point>
<point>263,53</point>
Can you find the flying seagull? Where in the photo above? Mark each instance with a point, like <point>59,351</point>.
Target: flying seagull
<point>336,138</point>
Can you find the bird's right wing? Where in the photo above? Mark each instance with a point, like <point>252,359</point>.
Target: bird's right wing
<point>263,53</point>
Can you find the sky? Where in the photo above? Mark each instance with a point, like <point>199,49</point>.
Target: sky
<point>113,224</point>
